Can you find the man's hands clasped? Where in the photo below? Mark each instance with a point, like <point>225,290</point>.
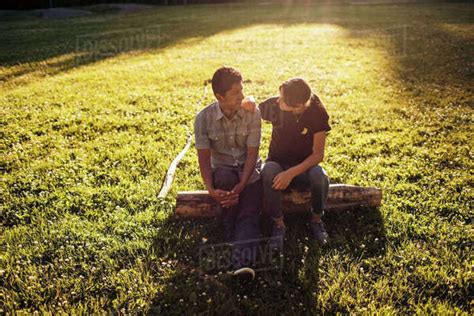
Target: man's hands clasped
<point>227,198</point>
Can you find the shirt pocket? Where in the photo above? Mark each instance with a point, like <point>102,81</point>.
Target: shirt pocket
<point>241,137</point>
<point>217,139</point>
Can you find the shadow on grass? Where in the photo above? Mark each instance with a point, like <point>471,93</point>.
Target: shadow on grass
<point>65,44</point>
<point>291,286</point>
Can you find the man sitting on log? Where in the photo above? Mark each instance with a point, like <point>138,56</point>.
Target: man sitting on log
<point>300,124</point>
<point>227,143</point>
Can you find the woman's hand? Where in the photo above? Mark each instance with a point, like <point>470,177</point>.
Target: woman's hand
<point>282,180</point>
<point>249,104</point>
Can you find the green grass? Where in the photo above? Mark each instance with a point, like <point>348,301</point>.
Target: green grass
<point>85,147</point>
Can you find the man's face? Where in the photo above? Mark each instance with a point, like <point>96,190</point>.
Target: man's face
<point>233,97</point>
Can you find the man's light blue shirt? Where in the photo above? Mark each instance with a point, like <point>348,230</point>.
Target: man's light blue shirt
<point>228,139</point>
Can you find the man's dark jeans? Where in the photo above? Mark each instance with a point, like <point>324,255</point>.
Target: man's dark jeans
<point>242,221</point>
<point>314,178</point>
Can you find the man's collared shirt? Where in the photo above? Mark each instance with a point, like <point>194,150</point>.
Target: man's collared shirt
<point>228,139</point>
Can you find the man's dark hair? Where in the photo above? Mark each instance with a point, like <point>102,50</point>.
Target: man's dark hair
<point>224,78</point>
<point>295,91</point>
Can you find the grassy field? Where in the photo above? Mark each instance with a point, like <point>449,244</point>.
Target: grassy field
<point>88,132</point>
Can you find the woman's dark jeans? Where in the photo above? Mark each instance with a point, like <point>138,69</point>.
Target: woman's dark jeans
<point>315,178</point>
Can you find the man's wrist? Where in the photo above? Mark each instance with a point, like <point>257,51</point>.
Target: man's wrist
<point>243,182</point>
<point>210,190</point>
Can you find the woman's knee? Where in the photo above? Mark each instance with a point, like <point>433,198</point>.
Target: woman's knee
<point>318,176</point>
<point>270,170</point>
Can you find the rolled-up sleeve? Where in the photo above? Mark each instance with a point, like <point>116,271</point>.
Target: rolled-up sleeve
<point>255,130</point>
<point>200,132</point>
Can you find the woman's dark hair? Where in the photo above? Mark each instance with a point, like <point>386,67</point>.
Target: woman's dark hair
<point>295,91</point>
<point>224,78</point>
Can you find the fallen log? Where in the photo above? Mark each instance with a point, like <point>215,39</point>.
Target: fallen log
<point>191,204</point>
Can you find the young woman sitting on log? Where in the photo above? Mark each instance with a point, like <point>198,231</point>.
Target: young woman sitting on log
<point>300,124</point>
